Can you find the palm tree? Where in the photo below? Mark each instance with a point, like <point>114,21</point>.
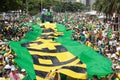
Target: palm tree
<point>108,6</point>
<point>118,6</point>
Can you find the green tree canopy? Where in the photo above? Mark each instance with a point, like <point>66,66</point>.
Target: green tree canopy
<point>9,5</point>
<point>108,6</point>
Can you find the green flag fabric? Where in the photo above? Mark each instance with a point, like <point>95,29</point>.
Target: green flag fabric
<point>96,63</point>
<point>24,59</point>
<point>39,53</point>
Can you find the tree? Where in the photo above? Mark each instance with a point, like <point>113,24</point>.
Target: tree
<point>78,6</point>
<point>69,6</point>
<point>9,5</point>
<point>108,6</point>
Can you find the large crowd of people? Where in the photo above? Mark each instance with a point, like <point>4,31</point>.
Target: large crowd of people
<point>91,32</point>
<point>12,31</point>
<point>99,35</point>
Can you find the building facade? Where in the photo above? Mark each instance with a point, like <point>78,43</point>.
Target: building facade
<point>71,0</point>
<point>81,1</point>
<point>90,2</point>
<point>85,2</point>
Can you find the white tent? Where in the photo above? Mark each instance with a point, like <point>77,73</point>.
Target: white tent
<point>91,13</point>
<point>101,17</point>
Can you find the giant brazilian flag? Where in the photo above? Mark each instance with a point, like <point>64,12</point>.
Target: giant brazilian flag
<point>50,47</point>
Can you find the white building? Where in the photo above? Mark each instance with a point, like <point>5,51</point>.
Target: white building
<point>83,1</point>
<point>90,2</point>
<point>71,0</point>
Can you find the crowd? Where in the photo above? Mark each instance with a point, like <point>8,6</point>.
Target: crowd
<point>99,35</point>
<point>12,31</point>
<point>91,32</point>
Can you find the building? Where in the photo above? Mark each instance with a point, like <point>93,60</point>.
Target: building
<point>90,2</point>
<point>81,1</point>
<point>87,2</point>
<point>71,0</point>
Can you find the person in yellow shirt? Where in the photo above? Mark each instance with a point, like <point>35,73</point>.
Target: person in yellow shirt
<point>23,73</point>
<point>8,51</point>
<point>87,35</point>
<point>114,76</point>
<point>118,75</point>
<point>5,76</point>
<point>53,75</point>
<point>88,43</point>
<point>117,53</point>
<point>95,47</point>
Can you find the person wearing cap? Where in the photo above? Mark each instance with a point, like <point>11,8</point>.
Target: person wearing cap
<point>7,68</point>
<point>23,73</point>
<point>9,58</point>
<point>13,75</point>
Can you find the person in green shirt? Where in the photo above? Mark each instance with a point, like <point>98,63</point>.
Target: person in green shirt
<point>82,38</point>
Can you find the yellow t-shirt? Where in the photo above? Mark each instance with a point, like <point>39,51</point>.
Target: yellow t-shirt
<point>3,63</point>
<point>7,28</point>
<point>89,44</point>
<point>7,53</point>
<point>5,78</point>
<point>87,35</point>
<point>21,76</point>
<point>119,75</point>
<point>95,48</point>
<point>117,53</point>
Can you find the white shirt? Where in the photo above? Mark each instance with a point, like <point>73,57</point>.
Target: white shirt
<point>118,48</point>
<point>95,31</point>
<point>110,42</point>
<point>11,66</point>
<point>104,34</point>
<point>114,56</point>
<point>114,42</point>
<point>100,42</point>
<point>113,35</point>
